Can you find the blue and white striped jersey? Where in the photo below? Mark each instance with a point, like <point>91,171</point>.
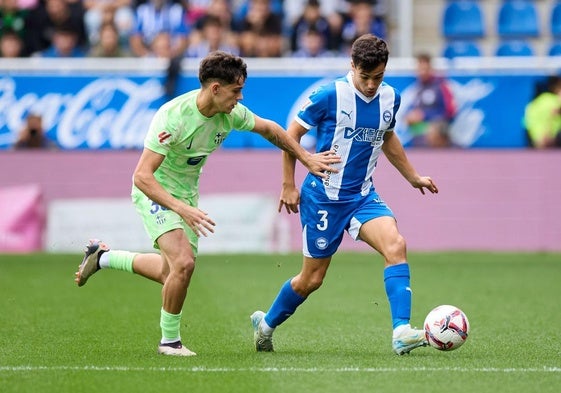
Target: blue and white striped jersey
<point>353,125</point>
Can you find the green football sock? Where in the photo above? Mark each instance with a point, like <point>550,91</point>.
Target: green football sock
<point>121,260</point>
<point>170,324</point>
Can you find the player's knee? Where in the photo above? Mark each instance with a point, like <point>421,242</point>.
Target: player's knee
<point>305,286</point>
<point>163,276</point>
<point>184,268</point>
<point>396,250</point>
<point>314,283</point>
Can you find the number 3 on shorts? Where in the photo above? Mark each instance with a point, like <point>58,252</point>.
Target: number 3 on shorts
<point>323,223</point>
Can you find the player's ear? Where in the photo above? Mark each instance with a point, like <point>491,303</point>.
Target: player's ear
<point>215,87</point>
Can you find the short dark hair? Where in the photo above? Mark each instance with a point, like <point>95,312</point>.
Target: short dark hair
<point>222,67</point>
<point>554,83</point>
<point>369,51</point>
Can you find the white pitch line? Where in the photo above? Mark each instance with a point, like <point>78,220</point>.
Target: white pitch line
<point>514,370</point>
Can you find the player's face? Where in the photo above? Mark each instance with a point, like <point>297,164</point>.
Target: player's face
<point>227,96</point>
<point>367,82</point>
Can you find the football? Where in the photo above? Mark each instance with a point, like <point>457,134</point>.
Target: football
<point>446,328</point>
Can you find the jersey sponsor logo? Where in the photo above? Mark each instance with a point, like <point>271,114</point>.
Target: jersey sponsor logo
<point>188,147</point>
<point>195,160</point>
<point>163,136</point>
<point>363,134</point>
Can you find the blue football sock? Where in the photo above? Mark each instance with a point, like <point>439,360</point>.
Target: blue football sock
<point>284,305</point>
<point>396,279</point>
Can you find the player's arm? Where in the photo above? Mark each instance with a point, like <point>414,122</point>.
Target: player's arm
<point>145,181</point>
<point>318,164</point>
<point>393,149</point>
<point>290,196</point>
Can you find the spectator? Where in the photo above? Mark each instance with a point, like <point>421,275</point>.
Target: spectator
<point>13,20</point>
<point>11,44</point>
<point>542,116</point>
<point>32,135</point>
<point>311,17</point>
<point>361,20</point>
<point>50,15</point>
<point>98,12</point>
<point>195,9</point>
<point>159,16</point>
<point>240,8</point>
<point>433,108</point>
<point>292,10</point>
<point>108,44</point>
<point>64,44</point>
<point>161,46</point>
<point>261,31</point>
<point>313,44</point>
<point>212,39</point>
<point>223,11</point>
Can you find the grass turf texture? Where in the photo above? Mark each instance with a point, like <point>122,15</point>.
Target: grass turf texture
<point>56,337</point>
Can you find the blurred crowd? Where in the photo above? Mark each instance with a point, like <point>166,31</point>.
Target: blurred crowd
<point>186,28</point>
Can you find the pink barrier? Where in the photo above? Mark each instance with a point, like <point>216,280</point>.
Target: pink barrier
<point>22,219</point>
<point>495,200</point>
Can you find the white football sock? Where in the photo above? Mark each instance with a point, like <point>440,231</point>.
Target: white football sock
<point>104,260</point>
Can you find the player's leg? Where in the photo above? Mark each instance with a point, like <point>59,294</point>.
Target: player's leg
<point>382,234</point>
<point>323,225</point>
<point>98,256</point>
<point>178,247</point>
<point>179,256</point>
<point>291,295</point>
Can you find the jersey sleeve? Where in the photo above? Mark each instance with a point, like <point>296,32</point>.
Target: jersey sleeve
<point>314,109</point>
<point>396,106</point>
<point>162,133</point>
<point>243,118</point>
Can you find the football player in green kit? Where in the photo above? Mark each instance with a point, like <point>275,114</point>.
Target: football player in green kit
<point>165,188</point>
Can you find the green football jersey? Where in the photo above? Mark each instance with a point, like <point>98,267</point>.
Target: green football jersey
<point>186,138</point>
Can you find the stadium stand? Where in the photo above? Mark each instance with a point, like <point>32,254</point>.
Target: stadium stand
<point>555,20</point>
<point>515,48</point>
<point>555,49</point>
<point>462,48</point>
<point>463,19</point>
<point>518,19</point>
<point>462,25</point>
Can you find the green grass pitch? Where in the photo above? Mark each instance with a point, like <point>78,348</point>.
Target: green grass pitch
<point>56,337</point>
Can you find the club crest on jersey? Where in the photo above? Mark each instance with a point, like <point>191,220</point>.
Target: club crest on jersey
<point>163,137</point>
<point>219,138</point>
<point>387,116</point>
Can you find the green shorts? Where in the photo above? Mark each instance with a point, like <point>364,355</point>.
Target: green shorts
<point>159,220</point>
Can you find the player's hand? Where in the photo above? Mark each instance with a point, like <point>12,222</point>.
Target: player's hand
<point>198,221</point>
<point>290,199</point>
<point>319,164</point>
<point>425,182</point>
